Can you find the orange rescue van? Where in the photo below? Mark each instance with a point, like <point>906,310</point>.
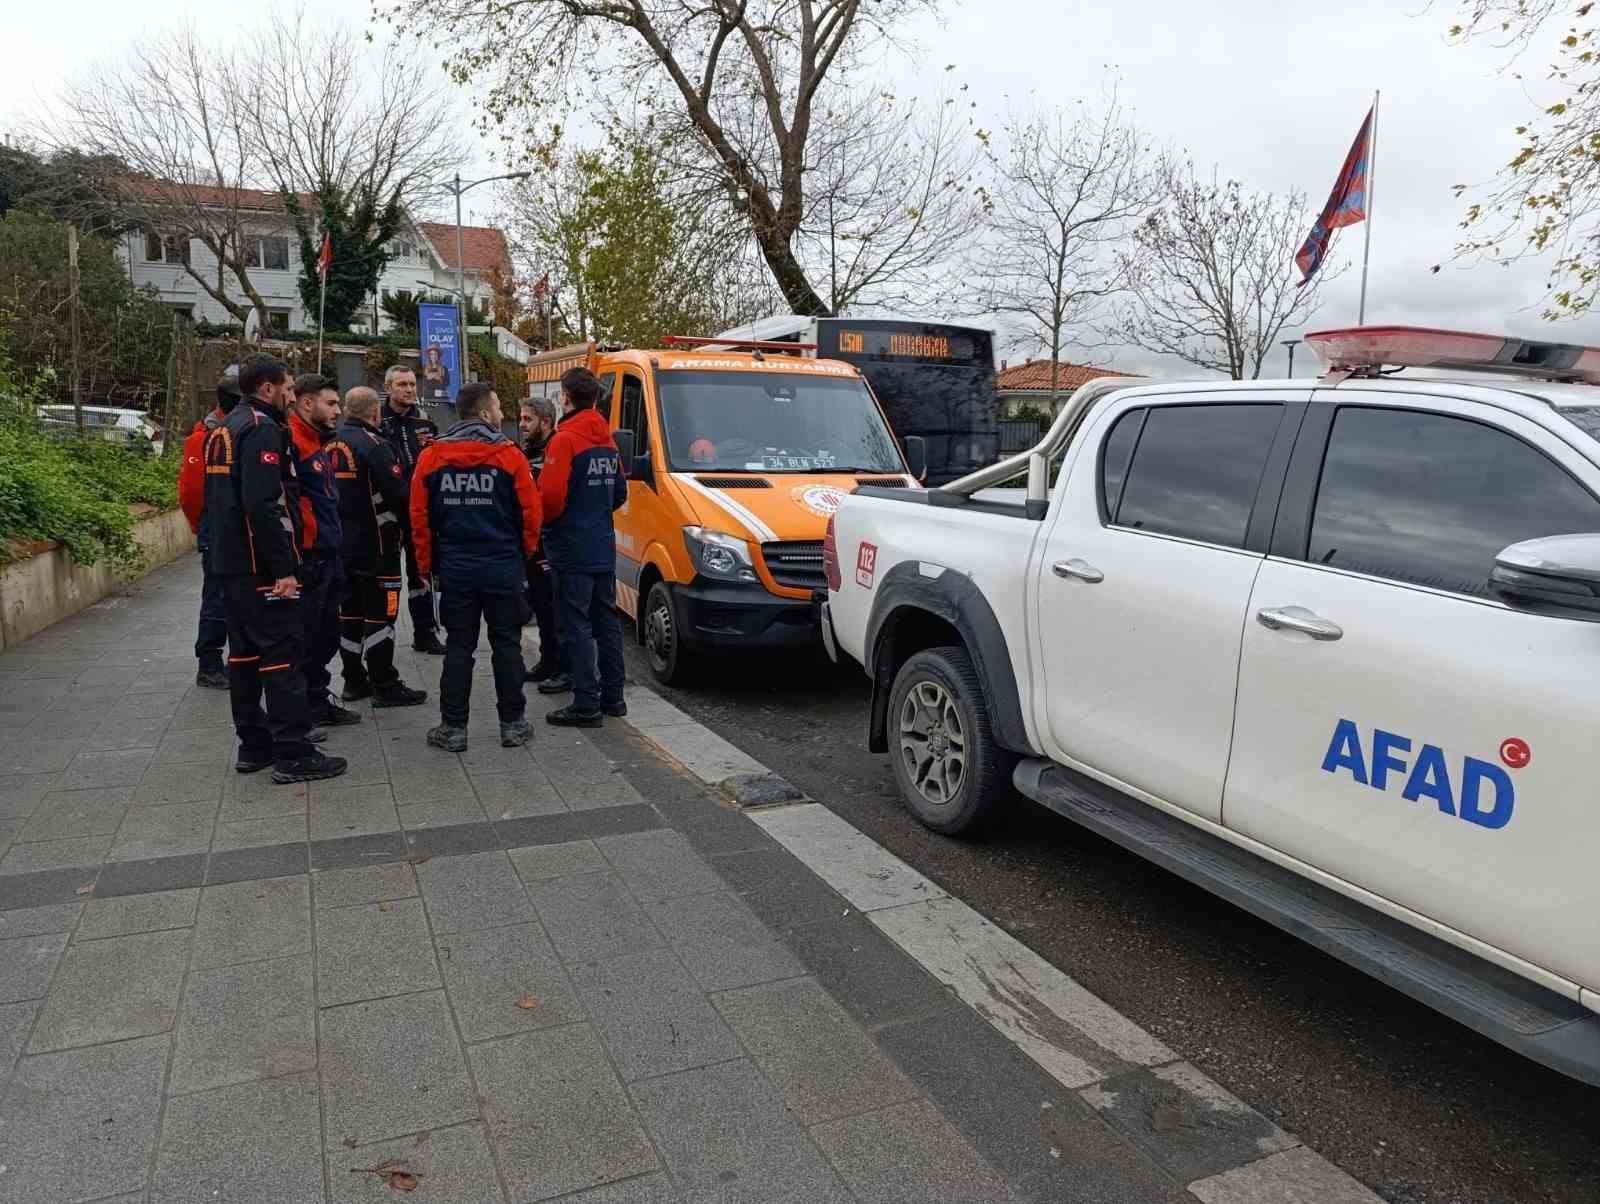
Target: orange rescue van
<point>740,453</point>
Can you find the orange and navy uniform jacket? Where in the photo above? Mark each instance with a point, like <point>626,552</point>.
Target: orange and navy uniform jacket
<point>474,510</point>
<point>192,473</point>
<point>374,501</point>
<point>580,484</point>
<point>318,492</point>
<point>249,469</point>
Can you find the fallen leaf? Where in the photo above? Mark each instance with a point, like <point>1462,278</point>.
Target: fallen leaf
<point>403,1181</point>
<point>86,889</point>
<point>386,906</point>
<point>424,1137</point>
<point>349,1143</point>
<point>421,859</point>
<point>527,1005</point>
<point>505,815</point>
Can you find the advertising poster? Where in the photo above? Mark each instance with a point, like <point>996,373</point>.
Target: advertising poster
<point>439,374</point>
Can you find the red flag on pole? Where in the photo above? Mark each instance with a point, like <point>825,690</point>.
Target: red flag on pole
<point>542,286</point>
<point>325,259</point>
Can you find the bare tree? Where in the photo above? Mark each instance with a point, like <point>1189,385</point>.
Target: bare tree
<point>1211,277</point>
<point>1070,187</point>
<point>171,117</point>
<point>891,192</point>
<point>324,112</point>
<point>716,58</point>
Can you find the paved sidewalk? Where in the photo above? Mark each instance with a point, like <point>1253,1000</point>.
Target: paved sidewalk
<point>559,972</point>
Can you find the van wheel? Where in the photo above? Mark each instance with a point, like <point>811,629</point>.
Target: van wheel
<point>658,627</point>
<point>951,771</point>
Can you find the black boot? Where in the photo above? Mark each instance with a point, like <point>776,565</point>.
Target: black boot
<point>428,641</point>
<point>571,716</point>
<point>561,683</point>
<point>329,714</point>
<point>356,691</point>
<point>211,678</point>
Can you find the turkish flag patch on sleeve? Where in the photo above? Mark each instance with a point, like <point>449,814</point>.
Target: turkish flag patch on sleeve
<point>395,469</point>
<point>269,457</point>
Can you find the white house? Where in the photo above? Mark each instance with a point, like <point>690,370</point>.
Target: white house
<point>424,260</point>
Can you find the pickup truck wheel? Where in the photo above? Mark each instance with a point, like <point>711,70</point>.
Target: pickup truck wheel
<point>949,766</point>
<point>658,621</point>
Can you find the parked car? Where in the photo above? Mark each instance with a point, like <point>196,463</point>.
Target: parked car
<point>1326,649</point>
<point>109,422</point>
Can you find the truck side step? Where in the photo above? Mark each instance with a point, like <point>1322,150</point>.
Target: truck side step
<point>1539,1024</point>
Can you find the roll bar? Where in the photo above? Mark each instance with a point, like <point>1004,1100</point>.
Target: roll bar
<point>1036,461</point>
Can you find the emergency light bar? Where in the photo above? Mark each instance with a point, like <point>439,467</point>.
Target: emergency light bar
<point>1364,350</point>
<point>687,340</point>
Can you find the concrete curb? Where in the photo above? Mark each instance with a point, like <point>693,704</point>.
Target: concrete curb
<point>705,754</point>
<point>1222,1149</point>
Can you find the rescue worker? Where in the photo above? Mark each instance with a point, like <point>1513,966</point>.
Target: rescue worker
<point>212,635</point>
<point>255,549</point>
<point>311,425</point>
<point>474,522</point>
<point>372,515</point>
<point>581,485</point>
<point>537,423</point>
<point>408,431</point>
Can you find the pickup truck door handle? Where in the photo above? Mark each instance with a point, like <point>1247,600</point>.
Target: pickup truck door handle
<point>1081,569</point>
<point>1298,618</point>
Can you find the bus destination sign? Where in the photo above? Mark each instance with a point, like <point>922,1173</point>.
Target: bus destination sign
<point>904,345</point>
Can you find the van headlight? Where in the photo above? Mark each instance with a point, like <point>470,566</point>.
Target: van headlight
<point>718,555</point>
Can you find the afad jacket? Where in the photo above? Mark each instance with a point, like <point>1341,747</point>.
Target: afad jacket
<point>192,472</point>
<point>580,484</point>
<point>318,491</point>
<point>249,464</point>
<point>475,513</point>
<point>374,500</point>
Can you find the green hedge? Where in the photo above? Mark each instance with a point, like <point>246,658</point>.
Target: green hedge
<point>75,492</point>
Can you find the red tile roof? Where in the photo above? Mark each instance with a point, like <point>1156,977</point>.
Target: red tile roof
<point>1034,376</point>
<point>484,246</point>
<point>252,199</point>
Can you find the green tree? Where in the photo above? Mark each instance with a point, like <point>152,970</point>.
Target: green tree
<point>126,333</point>
<point>630,255</point>
<point>360,226</point>
<point>1546,199</point>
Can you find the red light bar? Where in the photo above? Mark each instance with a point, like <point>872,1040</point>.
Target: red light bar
<point>687,340</point>
<point>1364,349</point>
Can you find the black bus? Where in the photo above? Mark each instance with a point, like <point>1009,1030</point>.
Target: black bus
<point>933,379</point>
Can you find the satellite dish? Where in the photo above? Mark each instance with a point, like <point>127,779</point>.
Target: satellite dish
<point>252,326</point>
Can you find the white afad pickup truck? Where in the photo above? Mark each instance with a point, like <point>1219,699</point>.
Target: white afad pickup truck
<point>1329,649</point>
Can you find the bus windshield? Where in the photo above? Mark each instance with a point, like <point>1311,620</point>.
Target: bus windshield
<point>772,422</point>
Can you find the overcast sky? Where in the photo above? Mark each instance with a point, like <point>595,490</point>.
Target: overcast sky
<point>1271,91</point>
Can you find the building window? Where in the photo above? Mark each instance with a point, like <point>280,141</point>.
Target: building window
<point>159,249</point>
<point>278,320</point>
<point>403,249</point>
<point>270,253</point>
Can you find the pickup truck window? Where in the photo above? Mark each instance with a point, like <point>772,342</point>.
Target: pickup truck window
<point>1431,499</point>
<point>1196,471</point>
<point>1114,457</point>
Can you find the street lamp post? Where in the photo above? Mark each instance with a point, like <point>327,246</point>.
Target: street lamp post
<point>458,188</point>
<point>1291,344</point>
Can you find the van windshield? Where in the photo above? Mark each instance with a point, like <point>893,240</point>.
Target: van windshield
<point>1585,418</point>
<point>772,422</point>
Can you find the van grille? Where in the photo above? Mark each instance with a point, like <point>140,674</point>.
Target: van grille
<point>796,563</point>
<point>735,482</point>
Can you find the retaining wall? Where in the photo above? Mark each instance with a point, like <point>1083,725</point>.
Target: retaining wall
<point>47,587</point>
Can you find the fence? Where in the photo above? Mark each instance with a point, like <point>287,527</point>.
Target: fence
<point>1018,435</point>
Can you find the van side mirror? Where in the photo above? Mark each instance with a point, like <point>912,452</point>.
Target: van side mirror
<point>624,442</point>
<point>1558,575</point>
<point>916,449</point>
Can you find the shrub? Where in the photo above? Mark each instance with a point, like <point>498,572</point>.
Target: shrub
<point>71,491</point>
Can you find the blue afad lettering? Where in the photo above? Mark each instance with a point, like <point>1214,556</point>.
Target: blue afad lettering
<point>1484,795</point>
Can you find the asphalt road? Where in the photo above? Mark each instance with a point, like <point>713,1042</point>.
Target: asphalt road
<point>1420,1109</point>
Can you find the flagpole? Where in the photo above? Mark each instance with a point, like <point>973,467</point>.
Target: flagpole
<point>1372,176</point>
<point>322,308</point>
